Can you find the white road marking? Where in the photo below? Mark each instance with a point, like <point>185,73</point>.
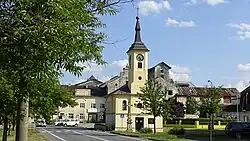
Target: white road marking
<point>54,135</point>
<point>101,139</point>
<point>58,131</point>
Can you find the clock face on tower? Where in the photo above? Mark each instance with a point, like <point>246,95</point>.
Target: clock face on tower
<point>140,57</point>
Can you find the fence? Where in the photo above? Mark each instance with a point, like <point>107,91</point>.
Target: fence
<point>201,123</point>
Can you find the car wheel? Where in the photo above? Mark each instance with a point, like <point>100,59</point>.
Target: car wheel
<point>238,135</point>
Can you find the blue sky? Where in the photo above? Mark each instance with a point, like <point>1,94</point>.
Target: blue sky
<point>200,39</point>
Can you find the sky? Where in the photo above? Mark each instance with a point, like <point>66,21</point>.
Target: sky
<point>200,39</point>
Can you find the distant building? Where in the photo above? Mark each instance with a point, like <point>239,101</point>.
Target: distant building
<point>245,104</point>
<point>91,102</point>
<point>228,101</point>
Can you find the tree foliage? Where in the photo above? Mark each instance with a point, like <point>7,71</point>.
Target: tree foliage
<point>191,106</point>
<point>210,101</point>
<point>41,39</point>
<point>177,108</point>
<point>152,96</point>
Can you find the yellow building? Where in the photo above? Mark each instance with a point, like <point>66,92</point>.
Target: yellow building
<point>123,107</point>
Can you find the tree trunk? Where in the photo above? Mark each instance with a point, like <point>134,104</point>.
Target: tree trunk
<point>13,122</point>
<point>5,129</point>
<point>22,120</point>
<point>154,126</point>
<point>9,129</point>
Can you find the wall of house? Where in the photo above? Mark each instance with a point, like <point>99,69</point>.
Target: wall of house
<point>119,81</point>
<point>121,115</point>
<point>77,111</point>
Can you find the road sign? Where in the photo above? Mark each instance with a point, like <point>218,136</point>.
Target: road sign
<point>121,115</point>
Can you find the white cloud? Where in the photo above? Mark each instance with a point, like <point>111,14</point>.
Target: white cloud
<point>119,63</point>
<point>91,67</point>
<point>178,73</point>
<point>243,30</point>
<point>175,23</point>
<point>240,86</point>
<point>209,2</point>
<point>243,67</point>
<point>152,7</point>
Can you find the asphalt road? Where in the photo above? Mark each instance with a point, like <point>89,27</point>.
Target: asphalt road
<point>81,134</point>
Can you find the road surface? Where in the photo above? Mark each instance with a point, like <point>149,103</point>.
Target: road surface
<point>81,134</point>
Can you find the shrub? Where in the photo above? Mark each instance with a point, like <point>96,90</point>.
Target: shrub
<point>146,130</point>
<point>109,128</point>
<point>177,131</point>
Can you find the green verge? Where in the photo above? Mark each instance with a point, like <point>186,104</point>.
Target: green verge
<point>32,136</point>
<point>161,136</point>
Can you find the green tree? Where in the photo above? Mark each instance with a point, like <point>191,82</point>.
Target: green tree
<point>152,96</point>
<point>177,108</point>
<point>166,110</point>
<point>7,102</point>
<point>210,101</point>
<point>43,38</point>
<point>191,106</point>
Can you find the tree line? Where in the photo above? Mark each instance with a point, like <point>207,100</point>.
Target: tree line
<point>153,97</point>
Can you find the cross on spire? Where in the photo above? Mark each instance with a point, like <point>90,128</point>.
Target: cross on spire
<point>137,12</point>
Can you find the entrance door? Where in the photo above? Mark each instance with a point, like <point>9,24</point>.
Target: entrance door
<point>139,123</point>
<point>92,117</point>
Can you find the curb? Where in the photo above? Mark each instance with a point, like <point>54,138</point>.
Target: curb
<point>136,136</point>
<point>125,134</point>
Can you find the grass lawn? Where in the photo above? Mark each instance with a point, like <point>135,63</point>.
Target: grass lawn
<point>32,136</point>
<point>190,135</point>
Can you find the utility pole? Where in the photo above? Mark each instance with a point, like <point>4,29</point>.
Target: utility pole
<point>129,120</point>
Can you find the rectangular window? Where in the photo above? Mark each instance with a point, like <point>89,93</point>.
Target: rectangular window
<point>162,76</point>
<point>151,121</point>
<point>71,115</point>
<point>93,105</point>
<point>82,105</point>
<point>81,116</point>
<point>102,105</point>
<point>170,92</point>
<point>140,65</point>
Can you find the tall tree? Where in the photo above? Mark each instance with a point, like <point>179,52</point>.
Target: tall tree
<point>45,37</point>
<point>152,96</point>
<point>210,101</point>
<point>7,102</point>
<point>191,106</point>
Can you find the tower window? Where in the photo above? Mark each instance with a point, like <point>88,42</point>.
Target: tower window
<point>162,70</point>
<point>140,65</point>
<point>124,105</point>
<point>140,78</point>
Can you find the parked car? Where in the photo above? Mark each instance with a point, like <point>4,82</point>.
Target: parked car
<point>41,123</point>
<point>237,129</point>
<point>60,123</point>
<point>71,122</point>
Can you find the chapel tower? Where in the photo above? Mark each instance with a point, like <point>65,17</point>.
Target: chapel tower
<point>138,62</point>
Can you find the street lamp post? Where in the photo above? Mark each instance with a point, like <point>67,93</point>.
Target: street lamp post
<point>210,117</point>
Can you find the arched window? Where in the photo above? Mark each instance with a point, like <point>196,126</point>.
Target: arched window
<point>124,105</point>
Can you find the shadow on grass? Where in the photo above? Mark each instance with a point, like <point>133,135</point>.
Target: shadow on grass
<point>203,135</point>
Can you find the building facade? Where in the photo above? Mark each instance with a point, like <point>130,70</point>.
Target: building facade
<point>245,105</point>
<point>124,108</point>
<point>91,102</point>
